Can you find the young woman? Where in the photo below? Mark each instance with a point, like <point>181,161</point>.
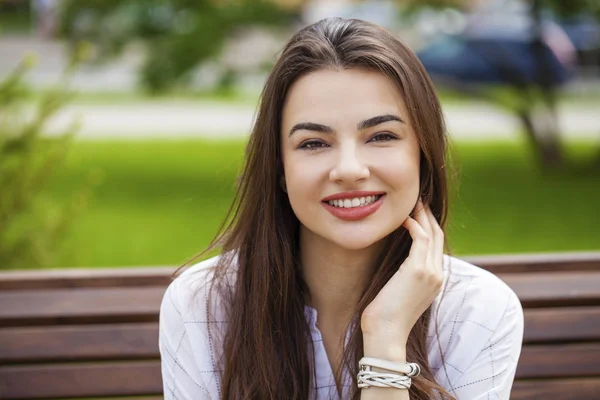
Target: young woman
<point>334,250</point>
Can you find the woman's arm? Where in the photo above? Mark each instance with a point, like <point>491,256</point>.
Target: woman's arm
<point>388,320</point>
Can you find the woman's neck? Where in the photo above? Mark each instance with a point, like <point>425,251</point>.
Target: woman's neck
<point>335,276</point>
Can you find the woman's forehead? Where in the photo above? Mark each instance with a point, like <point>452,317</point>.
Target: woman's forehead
<point>341,96</point>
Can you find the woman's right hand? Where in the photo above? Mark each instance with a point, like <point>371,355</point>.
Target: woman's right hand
<point>411,290</point>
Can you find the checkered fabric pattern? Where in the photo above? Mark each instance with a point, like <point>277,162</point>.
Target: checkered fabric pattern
<point>477,331</point>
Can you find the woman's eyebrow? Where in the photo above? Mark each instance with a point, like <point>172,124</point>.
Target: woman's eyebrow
<point>380,119</point>
<point>367,123</point>
<point>310,126</point>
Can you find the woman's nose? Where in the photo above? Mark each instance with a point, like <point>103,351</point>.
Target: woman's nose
<point>349,166</point>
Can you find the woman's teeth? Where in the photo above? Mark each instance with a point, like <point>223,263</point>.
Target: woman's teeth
<point>355,202</point>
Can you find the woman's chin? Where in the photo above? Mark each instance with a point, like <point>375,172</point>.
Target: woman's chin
<point>351,238</point>
<point>355,243</point>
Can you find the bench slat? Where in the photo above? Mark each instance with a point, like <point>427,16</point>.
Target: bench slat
<point>544,262</point>
<point>125,341</point>
<point>561,389</point>
<point>565,324</point>
<point>79,343</point>
<point>77,380</point>
<point>85,278</point>
<point>65,306</point>
<point>559,361</point>
<point>143,378</point>
<point>555,289</point>
<point>29,307</point>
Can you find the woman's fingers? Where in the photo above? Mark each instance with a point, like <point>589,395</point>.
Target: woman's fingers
<point>422,218</point>
<point>420,246</point>
<point>438,233</point>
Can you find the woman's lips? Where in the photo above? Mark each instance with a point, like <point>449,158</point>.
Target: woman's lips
<point>354,213</point>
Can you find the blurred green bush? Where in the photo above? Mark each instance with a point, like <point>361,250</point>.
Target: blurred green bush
<point>32,225</point>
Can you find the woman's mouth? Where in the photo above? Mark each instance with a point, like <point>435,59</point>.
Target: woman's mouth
<point>354,202</point>
<point>354,208</point>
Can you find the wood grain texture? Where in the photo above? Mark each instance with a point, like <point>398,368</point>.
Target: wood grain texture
<point>562,324</point>
<point>543,262</point>
<point>555,289</point>
<point>85,278</point>
<point>80,380</point>
<point>68,306</point>
<point>79,343</point>
<point>560,389</point>
<point>559,361</point>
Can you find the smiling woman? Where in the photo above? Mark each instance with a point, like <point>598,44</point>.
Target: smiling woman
<point>333,282</point>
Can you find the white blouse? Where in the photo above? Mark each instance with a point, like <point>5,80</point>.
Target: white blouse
<point>480,326</point>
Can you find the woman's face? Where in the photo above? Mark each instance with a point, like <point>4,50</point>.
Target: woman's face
<point>350,156</point>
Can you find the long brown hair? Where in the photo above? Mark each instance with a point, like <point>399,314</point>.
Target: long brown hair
<point>266,347</point>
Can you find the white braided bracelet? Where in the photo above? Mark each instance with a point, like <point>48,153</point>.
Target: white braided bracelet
<point>408,369</point>
<point>367,377</point>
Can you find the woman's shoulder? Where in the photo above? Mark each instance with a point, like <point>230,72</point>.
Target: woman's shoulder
<point>188,293</point>
<point>474,313</point>
<point>462,277</point>
<point>196,276</point>
<point>464,268</point>
<point>471,292</point>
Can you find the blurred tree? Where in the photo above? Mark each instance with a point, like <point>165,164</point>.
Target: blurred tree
<point>533,101</point>
<point>178,34</point>
<point>31,226</point>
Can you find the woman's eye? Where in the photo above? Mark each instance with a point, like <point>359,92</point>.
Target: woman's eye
<point>312,145</point>
<point>383,137</point>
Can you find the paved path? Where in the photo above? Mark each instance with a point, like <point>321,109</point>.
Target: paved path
<point>173,119</point>
<point>52,59</point>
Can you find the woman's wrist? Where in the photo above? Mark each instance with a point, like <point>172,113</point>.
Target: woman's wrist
<point>392,349</point>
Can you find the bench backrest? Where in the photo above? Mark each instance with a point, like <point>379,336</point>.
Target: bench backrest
<point>561,301</point>
<point>94,333</point>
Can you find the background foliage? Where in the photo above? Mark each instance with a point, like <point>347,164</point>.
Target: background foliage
<point>177,35</point>
<point>32,225</point>
<point>533,103</point>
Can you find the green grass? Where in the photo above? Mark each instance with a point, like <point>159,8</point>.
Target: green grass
<point>158,203</point>
<point>506,205</point>
<point>161,202</point>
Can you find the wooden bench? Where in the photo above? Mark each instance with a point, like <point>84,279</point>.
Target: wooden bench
<point>94,333</point>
